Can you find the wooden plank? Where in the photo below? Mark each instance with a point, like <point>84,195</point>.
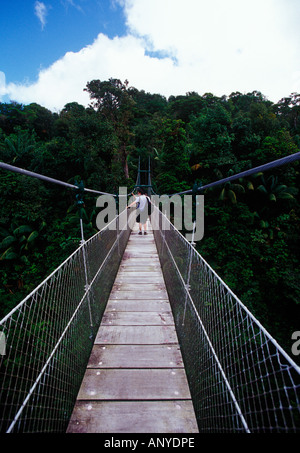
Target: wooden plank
<point>134,384</point>
<point>140,286</point>
<point>131,273</point>
<point>143,275</point>
<point>137,305</point>
<point>136,335</point>
<point>141,247</point>
<point>141,258</point>
<point>125,278</point>
<point>136,240</point>
<point>130,417</point>
<point>135,356</point>
<point>139,244</point>
<point>112,318</point>
<point>141,264</point>
<point>138,294</point>
<point>137,269</point>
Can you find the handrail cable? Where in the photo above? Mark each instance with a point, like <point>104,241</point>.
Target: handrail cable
<point>208,339</point>
<point>229,334</point>
<point>47,178</point>
<point>87,289</point>
<point>83,244</point>
<point>264,167</point>
<point>283,161</point>
<point>288,358</point>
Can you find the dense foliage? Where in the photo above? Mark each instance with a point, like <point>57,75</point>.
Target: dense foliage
<point>251,225</point>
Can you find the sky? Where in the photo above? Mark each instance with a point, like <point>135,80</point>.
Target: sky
<point>50,49</point>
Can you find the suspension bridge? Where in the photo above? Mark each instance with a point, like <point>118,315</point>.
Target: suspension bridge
<point>137,333</point>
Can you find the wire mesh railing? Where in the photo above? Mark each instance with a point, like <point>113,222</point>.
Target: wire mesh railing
<point>49,335</point>
<point>240,379</point>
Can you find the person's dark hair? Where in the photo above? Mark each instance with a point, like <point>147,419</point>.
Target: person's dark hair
<point>139,190</point>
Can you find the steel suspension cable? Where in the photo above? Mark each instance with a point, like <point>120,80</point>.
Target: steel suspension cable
<point>261,168</point>
<point>47,178</point>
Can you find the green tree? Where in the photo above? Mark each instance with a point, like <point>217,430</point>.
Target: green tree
<point>11,116</point>
<point>274,147</point>
<point>147,104</point>
<point>92,143</point>
<point>112,99</point>
<point>245,141</point>
<point>288,109</point>
<point>16,242</point>
<point>173,164</point>
<point>273,191</point>
<point>263,119</point>
<point>182,107</point>
<point>39,119</point>
<point>211,141</point>
<point>20,146</point>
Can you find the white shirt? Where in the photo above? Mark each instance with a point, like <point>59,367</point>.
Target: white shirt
<point>143,201</point>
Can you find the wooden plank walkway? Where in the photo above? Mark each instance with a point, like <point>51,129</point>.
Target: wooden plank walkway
<point>135,380</point>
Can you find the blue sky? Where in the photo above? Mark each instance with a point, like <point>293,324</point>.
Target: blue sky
<point>50,49</point>
<point>33,36</point>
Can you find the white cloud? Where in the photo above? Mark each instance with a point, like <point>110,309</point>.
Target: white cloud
<point>204,46</point>
<point>65,80</point>
<point>72,3</point>
<point>41,11</point>
<point>222,46</point>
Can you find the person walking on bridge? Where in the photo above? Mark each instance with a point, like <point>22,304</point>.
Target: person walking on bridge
<point>142,206</point>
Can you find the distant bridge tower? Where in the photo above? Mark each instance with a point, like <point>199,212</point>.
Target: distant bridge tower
<point>144,178</point>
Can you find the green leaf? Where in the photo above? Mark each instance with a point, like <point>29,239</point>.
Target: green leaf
<point>264,224</point>
<point>222,194</point>
<point>32,236</point>
<point>238,188</point>
<point>262,188</point>
<point>23,229</point>
<point>43,225</point>
<point>74,218</point>
<point>9,254</point>
<point>280,188</point>
<point>232,196</point>
<point>286,196</point>
<point>25,260</point>
<point>8,241</point>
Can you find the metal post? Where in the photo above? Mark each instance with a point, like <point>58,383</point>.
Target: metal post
<point>187,285</point>
<point>80,204</point>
